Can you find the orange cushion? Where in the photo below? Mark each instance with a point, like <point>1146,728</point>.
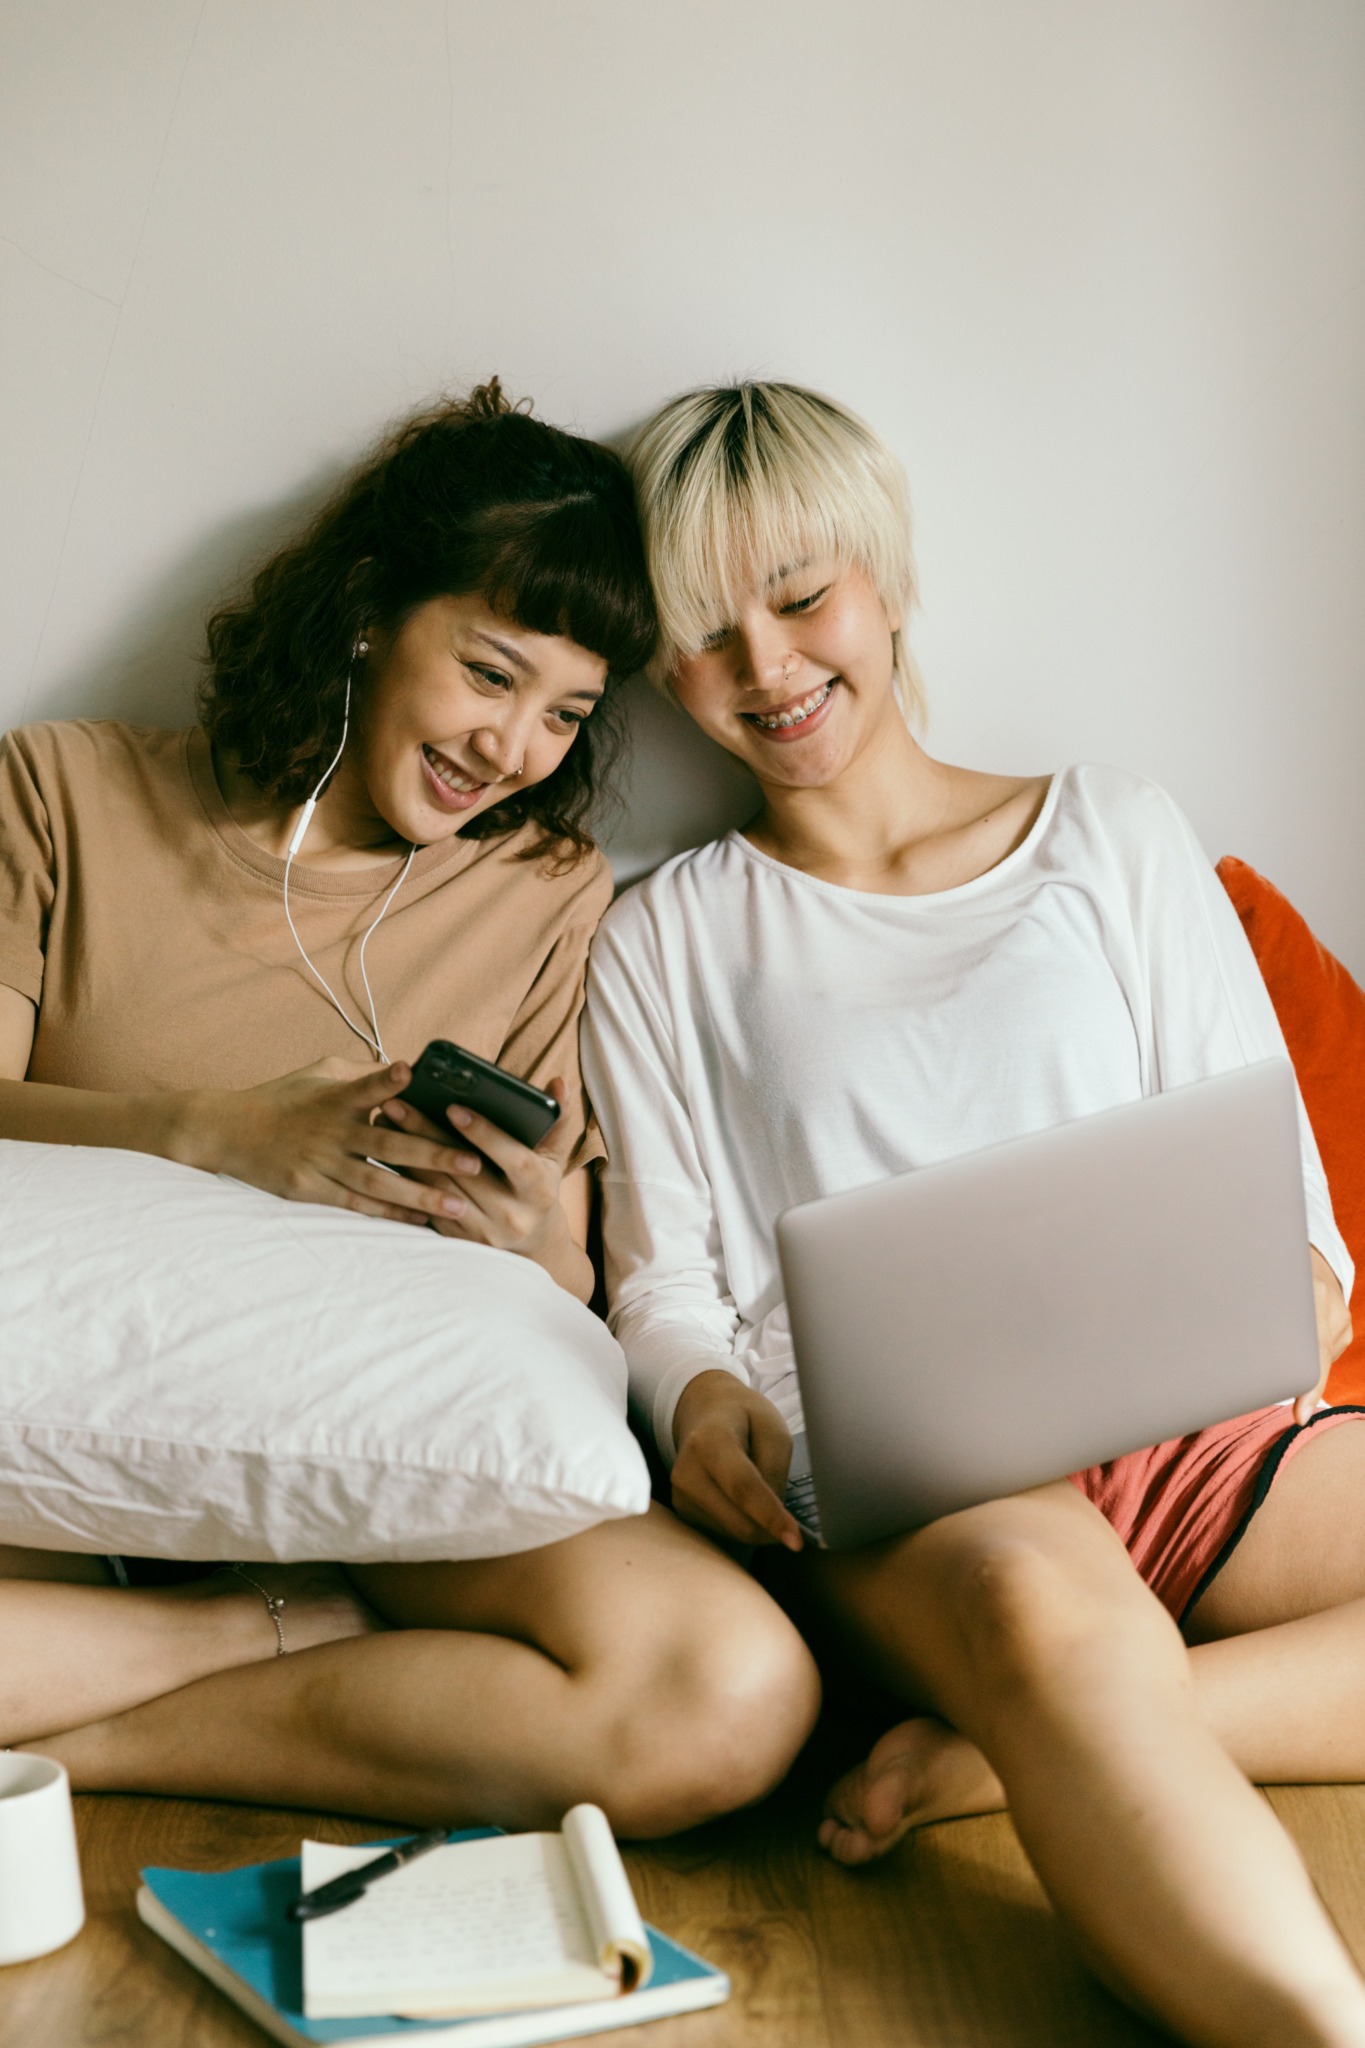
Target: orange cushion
<point>1322,1015</point>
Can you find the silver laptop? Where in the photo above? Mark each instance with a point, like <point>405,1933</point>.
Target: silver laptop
<point>1008,1317</point>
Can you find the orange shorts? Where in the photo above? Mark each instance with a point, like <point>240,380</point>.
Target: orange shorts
<point>1183,1506</point>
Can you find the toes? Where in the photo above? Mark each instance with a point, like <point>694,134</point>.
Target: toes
<point>870,1808</point>
<point>919,1771</point>
<point>843,1801</point>
<point>848,1831</point>
<point>846,1845</point>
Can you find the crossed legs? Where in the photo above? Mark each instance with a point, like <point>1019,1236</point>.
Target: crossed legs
<point>632,1665</point>
<point>636,1666</point>
<point>1023,1626</point>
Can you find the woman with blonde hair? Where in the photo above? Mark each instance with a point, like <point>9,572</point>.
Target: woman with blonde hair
<point>898,961</point>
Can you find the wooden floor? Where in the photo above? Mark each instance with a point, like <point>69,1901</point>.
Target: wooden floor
<point>946,1943</point>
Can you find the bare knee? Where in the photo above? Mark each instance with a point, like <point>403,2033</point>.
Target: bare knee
<point>1029,1621</point>
<point>714,1724</point>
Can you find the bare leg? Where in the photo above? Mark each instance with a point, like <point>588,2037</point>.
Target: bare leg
<point>1278,1664</point>
<point>632,1665</point>
<point>1024,1625</point>
<point>75,1647</point>
<point>64,1567</point>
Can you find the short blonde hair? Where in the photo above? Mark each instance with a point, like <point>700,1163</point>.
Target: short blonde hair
<point>738,481</point>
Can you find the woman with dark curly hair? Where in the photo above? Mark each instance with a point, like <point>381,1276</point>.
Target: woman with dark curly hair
<point>213,943</point>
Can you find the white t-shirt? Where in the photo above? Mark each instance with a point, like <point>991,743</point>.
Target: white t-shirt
<point>755,1037</point>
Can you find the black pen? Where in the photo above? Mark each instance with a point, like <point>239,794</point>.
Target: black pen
<point>352,1884</point>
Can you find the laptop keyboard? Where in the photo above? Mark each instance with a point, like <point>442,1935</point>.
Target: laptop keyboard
<point>799,1498</point>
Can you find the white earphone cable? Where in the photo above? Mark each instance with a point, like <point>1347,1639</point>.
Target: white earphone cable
<point>371,1038</point>
<point>369,994</point>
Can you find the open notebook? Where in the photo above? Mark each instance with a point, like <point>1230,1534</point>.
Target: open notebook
<point>231,1926</point>
<point>485,1926</point>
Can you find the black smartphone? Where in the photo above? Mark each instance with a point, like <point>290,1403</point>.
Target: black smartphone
<point>446,1073</point>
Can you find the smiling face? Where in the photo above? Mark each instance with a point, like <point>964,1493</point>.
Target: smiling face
<point>461,709</point>
<point>800,682</point>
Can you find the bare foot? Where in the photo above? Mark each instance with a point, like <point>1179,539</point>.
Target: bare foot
<point>317,1604</point>
<point>920,1771</point>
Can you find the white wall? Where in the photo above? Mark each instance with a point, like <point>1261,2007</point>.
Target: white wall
<point>1094,266</point>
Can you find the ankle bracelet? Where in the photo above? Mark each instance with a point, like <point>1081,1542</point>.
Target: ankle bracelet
<point>273,1604</point>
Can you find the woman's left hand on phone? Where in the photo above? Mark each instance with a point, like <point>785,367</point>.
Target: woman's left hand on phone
<point>515,1207</point>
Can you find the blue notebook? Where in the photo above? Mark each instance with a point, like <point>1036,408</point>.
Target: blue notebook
<point>231,1925</point>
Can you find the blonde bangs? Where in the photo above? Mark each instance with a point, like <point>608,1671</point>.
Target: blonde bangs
<point>738,485</point>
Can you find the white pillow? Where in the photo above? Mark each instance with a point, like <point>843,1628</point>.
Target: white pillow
<point>190,1368</point>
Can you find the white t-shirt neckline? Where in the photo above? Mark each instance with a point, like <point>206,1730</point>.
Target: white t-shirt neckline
<point>1001,871</point>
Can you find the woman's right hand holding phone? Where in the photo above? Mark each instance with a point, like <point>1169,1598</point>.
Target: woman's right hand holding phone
<point>311,1136</point>
<point>731,1469</point>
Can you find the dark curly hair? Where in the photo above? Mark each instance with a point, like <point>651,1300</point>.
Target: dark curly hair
<point>472,495</point>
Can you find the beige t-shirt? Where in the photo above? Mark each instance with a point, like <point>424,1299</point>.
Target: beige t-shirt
<point>149,929</point>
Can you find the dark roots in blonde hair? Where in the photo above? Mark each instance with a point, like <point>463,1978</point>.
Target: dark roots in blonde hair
<point>474,495</point>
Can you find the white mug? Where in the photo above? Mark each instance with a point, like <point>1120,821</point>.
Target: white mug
<point>41,1907</point>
